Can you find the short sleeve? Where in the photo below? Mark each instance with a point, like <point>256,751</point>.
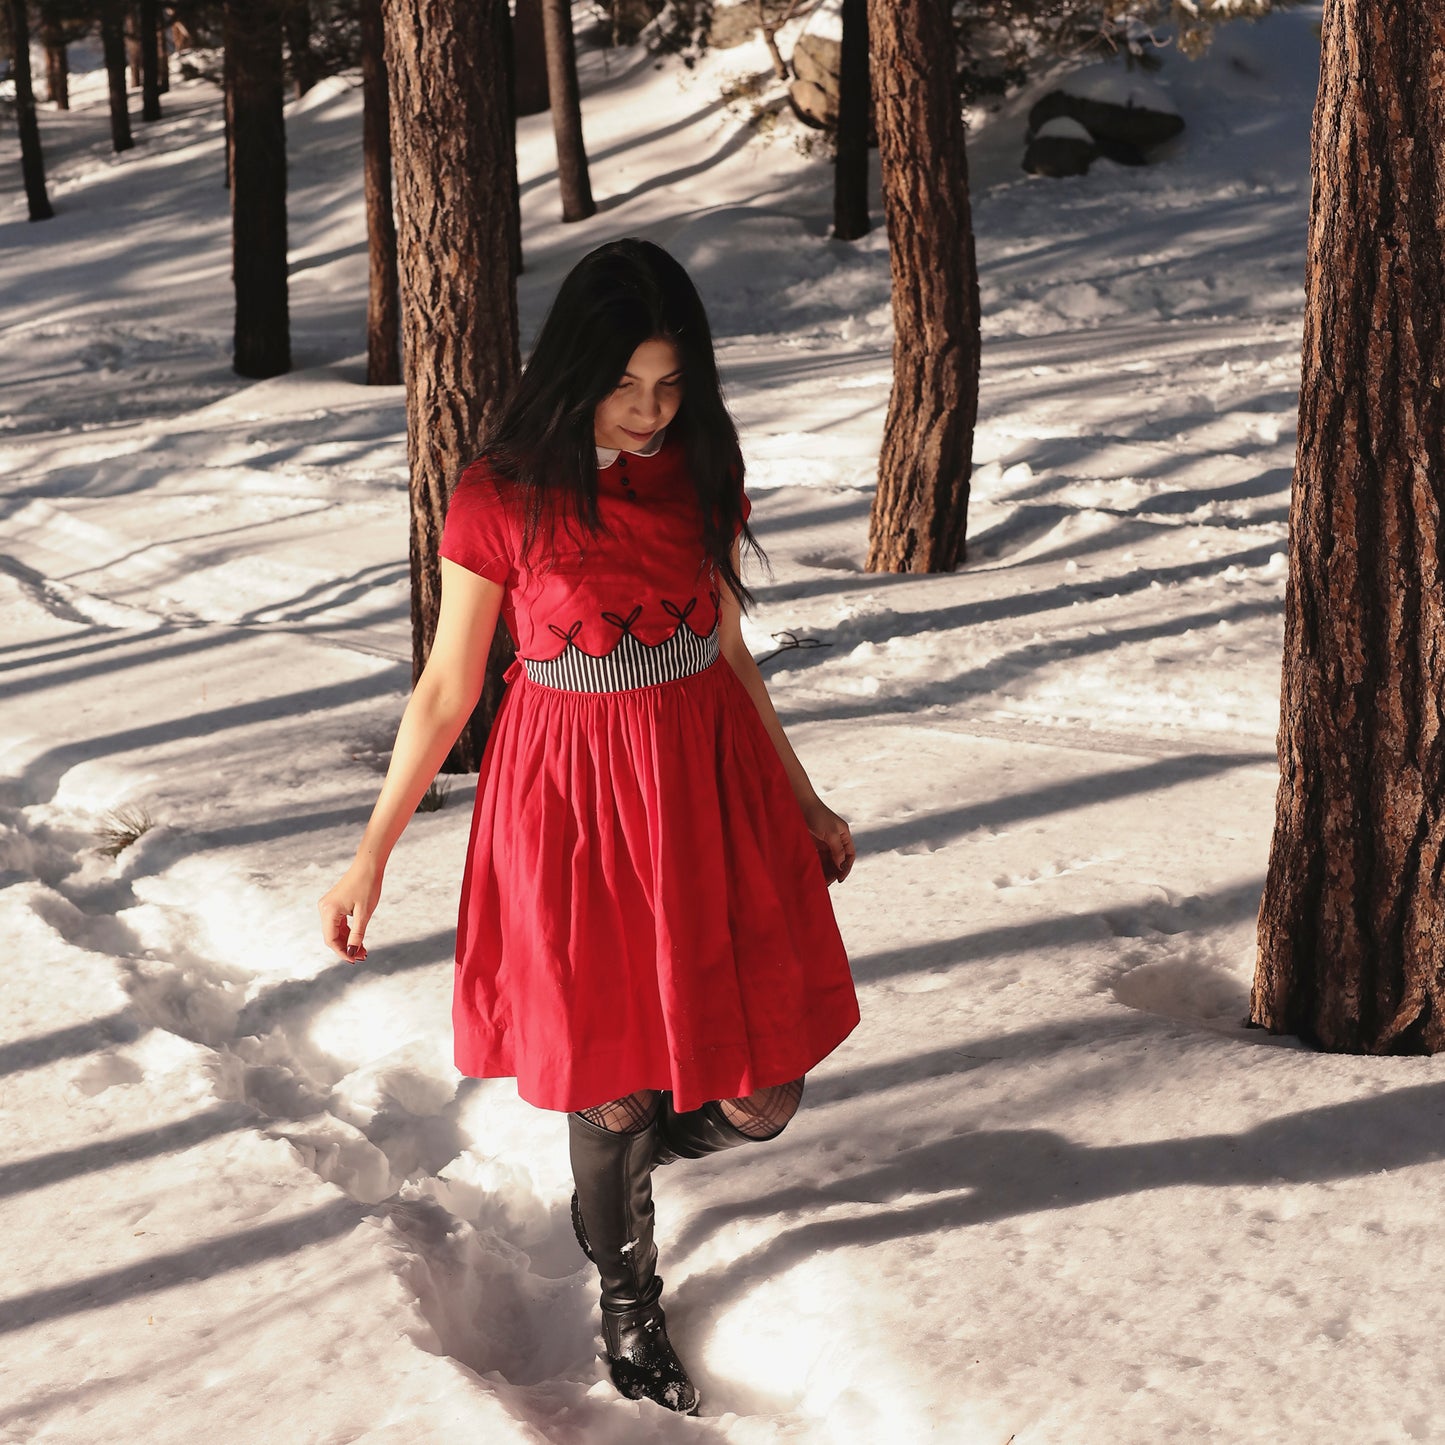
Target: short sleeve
<point>477,534</point>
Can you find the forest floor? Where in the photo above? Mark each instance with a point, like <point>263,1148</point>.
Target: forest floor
<point>1051,1190</point>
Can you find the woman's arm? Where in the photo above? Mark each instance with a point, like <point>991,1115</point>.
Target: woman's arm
<point>440,704</point>
<point>830,832</point>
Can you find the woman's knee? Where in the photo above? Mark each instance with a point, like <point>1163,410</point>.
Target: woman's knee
<point>764,1113</point>
<point>630,1114</point>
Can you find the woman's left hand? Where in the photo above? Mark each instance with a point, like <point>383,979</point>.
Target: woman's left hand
<point>833,839</point>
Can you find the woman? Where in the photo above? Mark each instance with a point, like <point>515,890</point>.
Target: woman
<point>645,938</point>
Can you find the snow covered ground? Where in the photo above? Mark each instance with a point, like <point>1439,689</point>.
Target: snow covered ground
<point>1050,1191</point>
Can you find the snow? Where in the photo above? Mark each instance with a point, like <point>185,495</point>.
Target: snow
<point>1113,85</point>
<point>825,20</point>
<point>1062,128</point>
<point>1050,1191</point>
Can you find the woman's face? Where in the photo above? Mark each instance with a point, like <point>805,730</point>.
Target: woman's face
<point>645,399</point>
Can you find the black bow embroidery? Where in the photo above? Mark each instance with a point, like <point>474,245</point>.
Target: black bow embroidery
<point>625,623</point>
<point>680,613</point>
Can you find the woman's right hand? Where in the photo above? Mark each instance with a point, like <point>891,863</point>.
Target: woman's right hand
<point>353,898</point>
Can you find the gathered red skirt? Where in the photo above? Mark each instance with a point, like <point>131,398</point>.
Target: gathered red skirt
<point>643,906</point>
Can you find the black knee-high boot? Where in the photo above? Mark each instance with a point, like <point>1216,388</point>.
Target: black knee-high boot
<point>613,1173</point>
<point>698,1132</point>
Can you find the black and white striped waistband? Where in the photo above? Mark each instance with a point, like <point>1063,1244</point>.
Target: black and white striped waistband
<point>630,664</point>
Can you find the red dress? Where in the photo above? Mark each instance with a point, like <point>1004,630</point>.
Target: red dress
<point>643,906</point>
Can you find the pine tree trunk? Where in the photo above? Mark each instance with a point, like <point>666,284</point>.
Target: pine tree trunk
<point>577,202</point>
<point>529,58</point>
<point>163,59</point>
<point>150,88</point>
<point>132,47</point>
<point>57,62</point>
<point>850,174</point>
<point>258,187</point>
<point>920,514</point>
<point>455,173</point>
<point>112,37</point>
<point>383,305</point>
<point>514,211</point>
<point>228,115</point>
<point>32,162</point>
<point>305,66</point>
<point>57,76</point>
<point>1352,925</point>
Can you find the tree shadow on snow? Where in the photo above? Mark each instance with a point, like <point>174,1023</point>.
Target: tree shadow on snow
<point>888,626</point>
<point>211,1257</point>
<point>744,133</point>
<point>936,829</point>
<point>44,1169</point>
<point>71,1042</point>
<point>632,143</point>
<point>988,1175</point>
<point>40,777</point>
<point>1130,919</point>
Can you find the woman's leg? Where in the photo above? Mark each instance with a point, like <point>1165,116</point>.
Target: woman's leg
<point>726,1123</point>
<point>629,1115</point>
<point>615,1147</point>
<point>612,1148</point>
<point>765,1113</point>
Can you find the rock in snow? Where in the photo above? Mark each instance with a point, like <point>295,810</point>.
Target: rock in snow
<point>814,105</point>
<point>1124,116</point>
<point>1062,147</point>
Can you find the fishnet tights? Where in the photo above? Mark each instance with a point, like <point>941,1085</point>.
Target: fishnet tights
<point>628,1115</point>
<point>765,1113</point>
<point>759,1115</point>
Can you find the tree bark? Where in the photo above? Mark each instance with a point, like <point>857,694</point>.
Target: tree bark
<point>529,58</point>
<point>163,60</point>
<point>920,513</point>
<point>132,47</point>
<point>514,211</point>
<point>305,66</point>
<point>112,38</point>
<point>57,61</point>
<point>32,161</point>
<point>1352,924</point>
<point>228,114</point>
<point>258,187</point>
<point>850,173</point>
<point>150,74</point>
<point>383,305</point>
<point>455,175</point>
<point>572,175</point>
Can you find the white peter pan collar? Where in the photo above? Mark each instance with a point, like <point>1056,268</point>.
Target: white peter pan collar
<point>607,455</point>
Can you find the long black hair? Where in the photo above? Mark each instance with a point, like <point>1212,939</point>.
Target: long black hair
<point>614,299</point>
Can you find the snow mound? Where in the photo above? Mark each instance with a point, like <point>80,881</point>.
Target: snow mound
<point>326,90</point>
<point>1110,85</point>
<point>1186,989</point>
<point>1063,128</point>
